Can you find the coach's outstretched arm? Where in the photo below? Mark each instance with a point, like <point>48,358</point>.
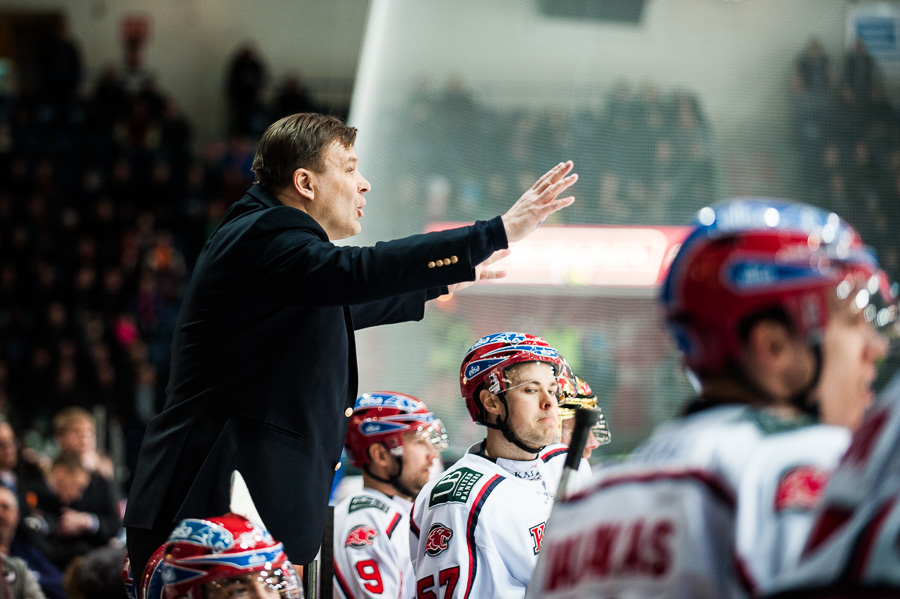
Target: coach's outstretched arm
<point>529,211</point>
<point>539,202</point>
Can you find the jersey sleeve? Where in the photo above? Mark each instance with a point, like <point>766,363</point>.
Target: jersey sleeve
<point>366,561</point>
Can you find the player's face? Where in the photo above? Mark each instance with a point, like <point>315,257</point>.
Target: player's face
<point>339,190</point>
<point>533,403</point>
<point>565,437</point>
<point>850,350</point>
<point>245,586</point>
<point>419,455</point>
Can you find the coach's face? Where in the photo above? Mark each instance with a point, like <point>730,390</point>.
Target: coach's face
<point>337,192</point>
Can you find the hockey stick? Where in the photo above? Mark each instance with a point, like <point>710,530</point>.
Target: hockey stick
<point>584,419</point>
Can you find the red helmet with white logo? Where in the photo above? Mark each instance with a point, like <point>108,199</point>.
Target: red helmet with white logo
<point>486,362</point>
<point>383,417</point>
<point>229,551</point>
<point>750,257</point>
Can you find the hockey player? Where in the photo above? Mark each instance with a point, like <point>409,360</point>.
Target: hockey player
<point>853,549</point>
<point>394,440</point>
<point>476,532</point>
<point>574,393</point>
<point>772,305</point>
<point>226,557</point>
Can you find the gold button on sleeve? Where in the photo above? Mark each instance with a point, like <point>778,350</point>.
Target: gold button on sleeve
<point>337,466</point>
<point>453,259</point>
<point>431,265</point>
<point>446,261</point>
<point>348,412</point>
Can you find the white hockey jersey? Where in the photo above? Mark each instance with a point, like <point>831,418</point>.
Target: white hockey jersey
<point>475,533</point>
<point>371,547</point>
<point>854,547</point>
<point>711,506</point>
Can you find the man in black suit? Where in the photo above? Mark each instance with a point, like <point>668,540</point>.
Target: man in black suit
<point>263,375</point>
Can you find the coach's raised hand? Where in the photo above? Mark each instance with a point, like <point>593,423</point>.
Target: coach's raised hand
<point>539,202</point>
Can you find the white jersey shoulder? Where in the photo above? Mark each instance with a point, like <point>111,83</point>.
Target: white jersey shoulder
<point>854,541</point>
<point>477,530</point>
<point>666,522</point>
<point>371,551</point>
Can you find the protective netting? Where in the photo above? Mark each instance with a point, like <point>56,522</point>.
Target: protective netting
<point>460,110</point>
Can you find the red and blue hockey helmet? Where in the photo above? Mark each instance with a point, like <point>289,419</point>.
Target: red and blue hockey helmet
<point>229,553</point>
<point>383,417</point>
<point>486,363</point>
<point>748,256</point>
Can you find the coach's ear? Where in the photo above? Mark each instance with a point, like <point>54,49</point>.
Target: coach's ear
<point>304,183</point>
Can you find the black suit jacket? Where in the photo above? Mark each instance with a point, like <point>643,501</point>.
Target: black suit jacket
<point>264,362</point>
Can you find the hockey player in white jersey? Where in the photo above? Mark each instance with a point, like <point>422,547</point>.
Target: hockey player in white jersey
<point>394,440</point>
<point>574,394</point>
<point>771,304</point>
<point>476,532</point>
<point>854,548</point>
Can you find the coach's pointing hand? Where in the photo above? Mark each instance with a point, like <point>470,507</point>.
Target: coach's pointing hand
<point>539,202</point>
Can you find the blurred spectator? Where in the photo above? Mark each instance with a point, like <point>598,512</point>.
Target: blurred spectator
<point>59,66</point>
<point>15,541</point>
<point>75,510</point>
<point>859,70</point>
<point>97,574</point>
<point>291,97</point>
<point>75,431</point>
<point>246,78</point>
<point>813,68</point>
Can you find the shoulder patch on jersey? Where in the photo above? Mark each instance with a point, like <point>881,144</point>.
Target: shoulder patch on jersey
<point>364,501</point>
<point>800,488</point>
<point>770,425</point>
<point>438,539</point>
<point>454,487</point>
<point>361,536</point>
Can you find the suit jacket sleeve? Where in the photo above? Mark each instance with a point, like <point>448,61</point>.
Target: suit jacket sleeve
<point>291,261</point>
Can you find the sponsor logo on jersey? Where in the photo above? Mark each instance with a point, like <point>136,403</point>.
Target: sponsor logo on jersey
<point>438,539</point>
<point>454,487</point>
<point>361,536</point>
<point>537,535</point>
<point>364,501</point>
<point>530,474</point>
<point>800,488</point>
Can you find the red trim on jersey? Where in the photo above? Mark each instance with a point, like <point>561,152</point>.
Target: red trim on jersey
<point>412,523</point>
<point>486,490</point>
<point>552,454</point>
<point>392,525</point>
<point>743,574</point>
<point>341,582</point>
<point>712,482</point>
<point>863,550</point>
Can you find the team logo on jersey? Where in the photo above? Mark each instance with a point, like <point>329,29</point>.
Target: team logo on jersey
<point>455,487</point>
<point>438,539</point>
<point>799,488</point>
<point>537,535</point>
<point>364,501</point>
<point>360,537</point>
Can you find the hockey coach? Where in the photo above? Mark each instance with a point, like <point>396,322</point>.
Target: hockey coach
<point>263,374</point>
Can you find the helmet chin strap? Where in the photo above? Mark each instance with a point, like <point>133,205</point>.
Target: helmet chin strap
<point>502,425</point>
